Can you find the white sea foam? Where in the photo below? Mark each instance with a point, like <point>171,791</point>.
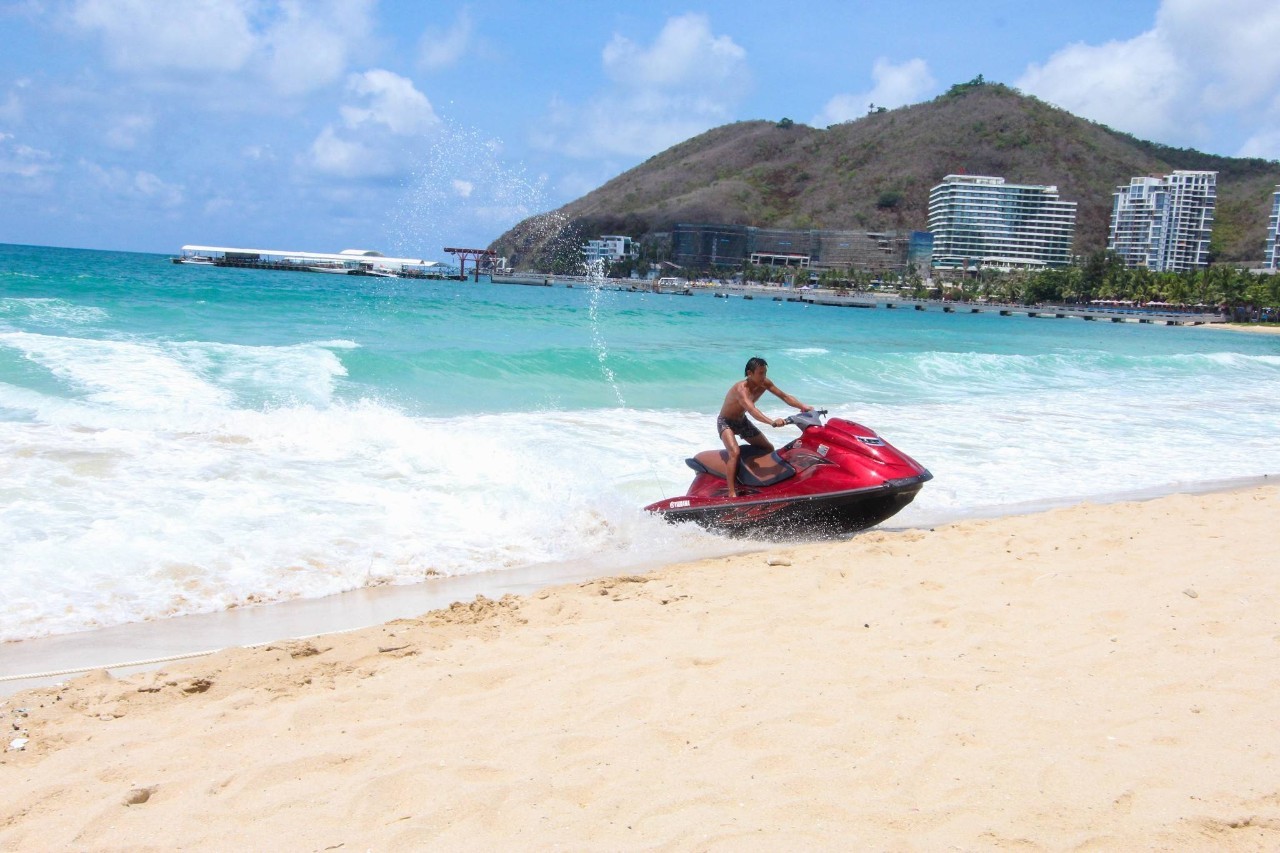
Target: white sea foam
<point>146,477</point>
<point>111,524</point>
<point>180,378</point>
<point>115,515</point>
<point>43,311</point>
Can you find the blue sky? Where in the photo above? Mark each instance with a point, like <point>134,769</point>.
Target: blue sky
<point>408,126</point>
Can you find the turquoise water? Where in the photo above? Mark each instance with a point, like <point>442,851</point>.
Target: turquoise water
<point>180,439</point>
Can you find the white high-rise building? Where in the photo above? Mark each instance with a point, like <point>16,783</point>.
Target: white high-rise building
<point>980,221</point>
<point>608,249</point>
<point>1273,234</point>
<point>1164,224</point>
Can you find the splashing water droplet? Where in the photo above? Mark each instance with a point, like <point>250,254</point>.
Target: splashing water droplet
<point>463,186</point>
<point>595,280</point>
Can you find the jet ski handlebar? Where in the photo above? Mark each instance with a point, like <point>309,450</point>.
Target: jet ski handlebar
<point>806,419</point>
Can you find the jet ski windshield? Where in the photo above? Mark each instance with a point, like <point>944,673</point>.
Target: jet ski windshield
<point>805,420</point>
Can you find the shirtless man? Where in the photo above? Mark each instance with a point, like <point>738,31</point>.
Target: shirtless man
<point>740,402</point>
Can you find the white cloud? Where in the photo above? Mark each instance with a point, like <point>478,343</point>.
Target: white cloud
<point>1228,46</point>
<point>895,86</point>
<point>1131,85</point>
<point>463,189</point>
<point>12,107</point>
<point>1264,144</point>
<point>258,153</point>
<point>390,100</point>
<point>126,131</point>
<point>311,45</point>
<point>150,186</point>
<point>142,35</point>
<point>295,47</point>
<point>218,206</point>
<point>379,130</point>
<point>138,185</point>
<point>23,160</point>
<point>345,158</point>
<point>1198,61</point>
<point>685,53</point>
<point>443,48</point>
<point>687,81</point>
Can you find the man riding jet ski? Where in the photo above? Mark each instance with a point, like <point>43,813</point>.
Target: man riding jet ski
<point>836,478</point>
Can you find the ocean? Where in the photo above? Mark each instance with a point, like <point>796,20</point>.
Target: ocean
<point>180,439</point>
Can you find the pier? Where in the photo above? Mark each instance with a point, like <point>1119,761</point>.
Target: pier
<point>359,262</point>
<point>889,302</point>
<point>1053,312</point>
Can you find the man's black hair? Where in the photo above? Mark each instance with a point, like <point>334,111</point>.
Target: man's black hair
<point>753,363</point>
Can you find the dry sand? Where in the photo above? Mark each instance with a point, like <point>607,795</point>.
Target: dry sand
<point>1244,327</point>
<point>1099,677</point>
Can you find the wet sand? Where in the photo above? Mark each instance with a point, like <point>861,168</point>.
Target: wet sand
<point>1100,676</point>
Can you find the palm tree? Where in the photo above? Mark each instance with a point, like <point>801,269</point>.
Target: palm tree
<point>1233,287</point>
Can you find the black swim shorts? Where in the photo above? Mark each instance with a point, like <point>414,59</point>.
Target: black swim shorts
<point>740,426</point>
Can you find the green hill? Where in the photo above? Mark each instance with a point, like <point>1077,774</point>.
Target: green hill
<point>875,173</point>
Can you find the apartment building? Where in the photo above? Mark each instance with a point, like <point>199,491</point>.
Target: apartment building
<point>1273,234</point>
<point>608,249</point>
<point>980,221</point>
<point>1164,223</point>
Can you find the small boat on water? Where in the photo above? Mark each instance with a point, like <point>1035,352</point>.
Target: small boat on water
<point>374,272</point>
<point>672,286</point>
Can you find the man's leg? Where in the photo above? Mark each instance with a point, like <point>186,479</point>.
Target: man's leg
<point>731,469</point>
<point>758,440</point>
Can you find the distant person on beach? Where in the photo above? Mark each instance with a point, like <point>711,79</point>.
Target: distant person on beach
<point>740,402</point>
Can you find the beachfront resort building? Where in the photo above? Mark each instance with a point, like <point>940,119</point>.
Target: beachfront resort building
<point>711,246</point>
<point>1273,234</point>
<point>607,249</point>
<point>1163,223</point>
<point>979,221</point>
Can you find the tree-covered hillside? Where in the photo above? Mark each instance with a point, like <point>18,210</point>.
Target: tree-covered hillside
<point>875,173</point>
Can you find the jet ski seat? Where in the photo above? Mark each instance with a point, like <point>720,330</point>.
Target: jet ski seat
<point>751,470</point>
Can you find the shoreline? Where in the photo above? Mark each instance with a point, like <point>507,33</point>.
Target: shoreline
<point>828,297</point>
<point>135,647</point>
<point>1252,328</point>
<point>1099,676</point>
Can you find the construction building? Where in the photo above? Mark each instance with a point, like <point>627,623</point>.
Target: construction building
<point>710,246</point>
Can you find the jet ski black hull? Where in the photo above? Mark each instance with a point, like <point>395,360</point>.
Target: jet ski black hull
<point>803,516</point>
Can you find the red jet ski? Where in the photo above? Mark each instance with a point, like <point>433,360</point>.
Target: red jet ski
<point>836,478</point>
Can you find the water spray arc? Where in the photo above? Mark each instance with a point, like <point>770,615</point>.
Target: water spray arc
<point>595,281</point>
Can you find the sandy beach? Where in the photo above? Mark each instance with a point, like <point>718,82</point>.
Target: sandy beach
<point>1103,677</point>
<point>1255,328</point>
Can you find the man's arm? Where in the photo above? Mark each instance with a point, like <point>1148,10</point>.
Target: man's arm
<point>788,399</point>
<point>749,406</point>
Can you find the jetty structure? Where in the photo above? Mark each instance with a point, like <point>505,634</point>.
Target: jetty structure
<point>347,262</point>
